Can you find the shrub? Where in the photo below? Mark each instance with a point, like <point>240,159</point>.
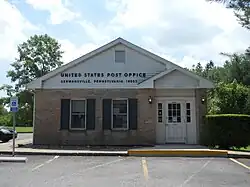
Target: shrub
<point>6,120</point>
<point>226,131</point>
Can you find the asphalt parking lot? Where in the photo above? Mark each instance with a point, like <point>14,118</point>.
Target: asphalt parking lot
<point>21,137</point>
<point>57,171</point>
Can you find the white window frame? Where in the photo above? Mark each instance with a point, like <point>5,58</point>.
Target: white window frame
<point>112,106</point>
<point>78,99</point>
<point>124,56</point>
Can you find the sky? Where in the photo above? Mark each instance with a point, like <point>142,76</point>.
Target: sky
<point>182,31</point>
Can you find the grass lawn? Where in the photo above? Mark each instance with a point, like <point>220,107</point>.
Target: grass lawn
<point>24,129</point>
<point>243,149</point>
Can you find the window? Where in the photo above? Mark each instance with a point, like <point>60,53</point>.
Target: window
<point>78,115</point>
<point>159,110</point>
<point>188,113</point>
<point>120,56</point>
<point>120,114</point>
<point>174,113</point>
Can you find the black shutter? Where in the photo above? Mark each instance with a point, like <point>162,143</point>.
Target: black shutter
<point>90,114</point>
<point>133,113</point>
<point>65,112</point>
<point>106,113</point>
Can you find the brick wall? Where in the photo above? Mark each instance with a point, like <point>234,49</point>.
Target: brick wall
<point>47,119</point>
<point>201,110</point>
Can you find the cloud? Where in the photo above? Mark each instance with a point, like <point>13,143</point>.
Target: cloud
<point>59,11</point>
<point>72,51</point>
<point>14,29</point>
<point>185,30</point>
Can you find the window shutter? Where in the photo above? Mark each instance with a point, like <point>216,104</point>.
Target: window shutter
<point>90,114</point>
<point>133,114</point>
<point>65,112</point>
<point>106,114</point>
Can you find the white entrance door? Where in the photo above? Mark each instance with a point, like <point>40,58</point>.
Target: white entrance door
<point>175,125</point>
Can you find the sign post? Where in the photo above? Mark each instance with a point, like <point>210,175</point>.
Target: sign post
<point>14,109</point>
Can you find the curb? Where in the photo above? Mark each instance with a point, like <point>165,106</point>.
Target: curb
<point>140,153</point>
<point>178,153</point>
<point>13,159</point>
<point>66,153</point>
<point>232,155</point>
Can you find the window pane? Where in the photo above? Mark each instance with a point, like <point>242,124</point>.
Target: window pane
<point>187,105</point>
<point>78,106</point>
<point>170,113</point>
<point>120,106</point>
<point>170,119</point>
<point>120,56</point>
<point>178,112</point>
<point>159,112</point>
<point>159,105</point>
<point>78,121</point>
<point>120,114</point>
<point>188,119</point>
<point>169,106</point>
<point>188,112</point>
<point>174,106</point>
<point>178,119</point>
<point>174,113</point>
<point>119,121</point>
<point>160,119</point>
<point>178,106</point>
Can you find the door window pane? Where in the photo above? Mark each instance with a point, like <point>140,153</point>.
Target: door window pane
<point>174,113</point>
<point>188,112</point>
<point>160,108</point>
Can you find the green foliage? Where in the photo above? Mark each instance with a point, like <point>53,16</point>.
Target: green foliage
<point>6,120</point>
<point>226,131</point>
<point>37,56</point>
<point>231,98</point>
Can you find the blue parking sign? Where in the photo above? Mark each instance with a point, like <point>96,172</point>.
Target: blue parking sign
<point>13,104</point>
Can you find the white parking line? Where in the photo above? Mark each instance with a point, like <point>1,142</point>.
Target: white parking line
<point>194,174</point>
<point>91,168</point>
<point>241,164</point>
<point>145,168</point>
<point>47,162</point>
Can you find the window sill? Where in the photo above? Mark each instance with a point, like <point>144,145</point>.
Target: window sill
<point>77,130</point>
<point>119,130</point>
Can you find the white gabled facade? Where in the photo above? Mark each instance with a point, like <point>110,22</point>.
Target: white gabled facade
<point>141,69</point>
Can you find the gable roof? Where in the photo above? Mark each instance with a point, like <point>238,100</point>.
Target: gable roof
<point>203,83</point>
<point>98,51</point>
<point>109,45</point>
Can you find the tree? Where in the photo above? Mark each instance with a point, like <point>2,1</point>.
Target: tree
<point>231,98</point>
<point>237,68</point>
<point>37,56</point>
<point>241,10</point>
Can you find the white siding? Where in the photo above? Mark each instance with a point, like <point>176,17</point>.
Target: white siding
<point>105,62</point>
<point>176,79</point>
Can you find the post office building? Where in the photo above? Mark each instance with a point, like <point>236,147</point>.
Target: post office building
<point>119,94</point>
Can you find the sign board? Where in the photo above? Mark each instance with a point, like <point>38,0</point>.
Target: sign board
<point>14,104</point>
<point>103,77</point>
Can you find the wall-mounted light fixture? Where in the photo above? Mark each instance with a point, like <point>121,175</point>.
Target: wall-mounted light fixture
<point>150,100</point>
<point>202,100</point>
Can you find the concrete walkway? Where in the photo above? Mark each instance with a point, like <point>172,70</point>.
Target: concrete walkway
<point>156,151</point>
